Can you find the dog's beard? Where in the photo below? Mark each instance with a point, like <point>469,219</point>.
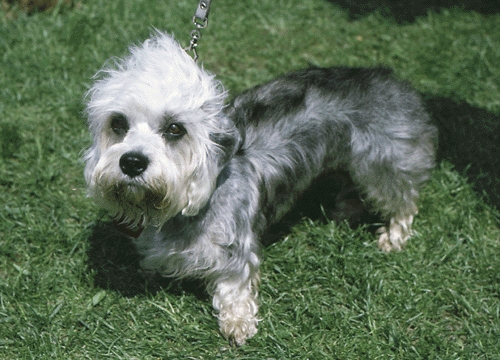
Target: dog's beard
<point>137,205</point>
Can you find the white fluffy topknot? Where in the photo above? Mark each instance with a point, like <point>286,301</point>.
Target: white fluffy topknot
<point>158,73</point>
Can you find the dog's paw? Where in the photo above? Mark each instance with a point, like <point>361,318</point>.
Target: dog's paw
<point>237,315</point>
<point>237,329</point>
<point>396,235</point>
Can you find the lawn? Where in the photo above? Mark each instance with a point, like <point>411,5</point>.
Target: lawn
<point>69,286</point>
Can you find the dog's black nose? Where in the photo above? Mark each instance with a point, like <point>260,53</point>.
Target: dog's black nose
<point>133,163</point>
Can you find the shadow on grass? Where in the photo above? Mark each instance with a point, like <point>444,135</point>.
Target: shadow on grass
<point>407,11</point>
<point>115,262</point>
<point>469,138</point>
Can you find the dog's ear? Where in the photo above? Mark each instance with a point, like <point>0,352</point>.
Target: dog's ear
<point>201,186</point>
<point>224,144</point>
<point>90,158</point>
<point>227,139</point>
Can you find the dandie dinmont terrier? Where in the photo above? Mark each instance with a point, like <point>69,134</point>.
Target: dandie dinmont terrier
<point>204,181</point>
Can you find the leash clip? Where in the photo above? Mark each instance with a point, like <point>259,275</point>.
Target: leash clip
<point>200,21</point>
<point>195,36</point>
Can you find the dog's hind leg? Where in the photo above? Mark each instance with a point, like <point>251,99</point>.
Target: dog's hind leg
<point>389,177</point>
<point>396,204</point>
<point>395,235</point>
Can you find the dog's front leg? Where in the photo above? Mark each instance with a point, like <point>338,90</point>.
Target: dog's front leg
<point>235,303</point>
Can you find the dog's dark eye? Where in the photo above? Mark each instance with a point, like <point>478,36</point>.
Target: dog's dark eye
<point>119,124</point>
<point>175,130</point>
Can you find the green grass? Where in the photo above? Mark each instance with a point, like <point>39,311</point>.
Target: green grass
<point>327,292</point>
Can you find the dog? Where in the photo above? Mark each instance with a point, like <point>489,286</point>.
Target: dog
<point>201,180</point>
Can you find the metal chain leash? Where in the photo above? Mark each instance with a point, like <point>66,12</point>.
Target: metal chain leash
<point>200,21</point>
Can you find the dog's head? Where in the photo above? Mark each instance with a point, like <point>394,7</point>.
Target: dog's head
<point>160,135</point>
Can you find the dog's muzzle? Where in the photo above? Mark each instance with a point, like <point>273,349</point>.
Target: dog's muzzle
<point>133,163</point>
